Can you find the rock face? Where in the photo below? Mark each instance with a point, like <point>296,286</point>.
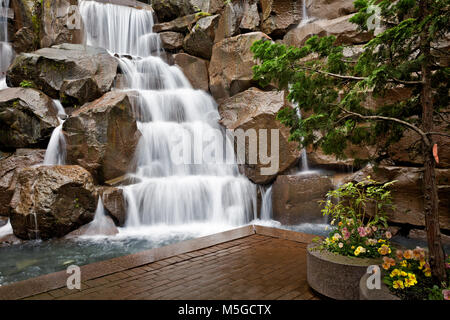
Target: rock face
<point>51,201</point>
<point>230,70</point>
<point>9,167</point>
<point>329,9</point>
<point>114,203</point>
<point>59,23</point>
<point>295,198</point>
<point>167,10</point>
<point>199,42</point>
<point>182,24</point>
<point>105,228</point>
<point>257,110</point>
<point>72,73</point>
<point>25,37</point>
<point>27,118</point>
<point>407,193</point>
<point>171,40</point>
<point>102,136</point>
<point>279,15</point>
<point>195,69</point>
<point>345,32</point>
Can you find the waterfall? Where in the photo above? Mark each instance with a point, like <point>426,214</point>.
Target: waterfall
<point>100,225</point>
<point>305,17</point>
<point>171,117</point>
<point>56,149</point>
<point>6,51</point>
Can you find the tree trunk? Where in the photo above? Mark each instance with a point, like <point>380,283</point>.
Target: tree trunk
<point>430,190</point>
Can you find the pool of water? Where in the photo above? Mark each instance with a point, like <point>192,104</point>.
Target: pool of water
<point>34,258</point>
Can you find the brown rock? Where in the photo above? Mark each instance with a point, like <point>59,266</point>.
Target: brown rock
<point>230,70</point>
<point>199,42</point>
<point>182,24</point>
<point>9,167</point>
<point>167,10</point>
<point>51,201</point>
<point>329,9</point>
<point>279,15</point>
<point>407,193</point>
<point>75,74</point>
<point>114,203</point>
<point>421,235</point>
<point>102,136</point>
<point>171,40</point>
<point>3,221</point>
<point>295,198</point>
<point>345,32</point>
<point>257,110</point>
<point>195,69</point>
<point>250,19</point>
<point>27,118</point>
<point>56,16</point>
<point>23,40</point>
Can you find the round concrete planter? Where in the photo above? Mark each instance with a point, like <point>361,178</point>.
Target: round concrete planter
<point>335,276</point>
<point>375,294</point>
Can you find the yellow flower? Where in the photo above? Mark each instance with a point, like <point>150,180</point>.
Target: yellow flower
<point>409,282</point>
<point>427,272</point>
<point>384,250</point>
<point>408,254</point>
<point>359,250</point>
<point>403,263</point>
<point>421,264</point>
<point>412,277</point>
<point>381,241</point>
<point>398,284</point>
<point>403,273</point>
<point>394,273</point>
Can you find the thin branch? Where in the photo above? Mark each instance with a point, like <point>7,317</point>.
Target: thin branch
<point>404,123</point>
<point>339,76</point>
<point>438,134</point>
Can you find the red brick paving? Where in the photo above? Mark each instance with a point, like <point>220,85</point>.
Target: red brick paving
<point>254,267</point>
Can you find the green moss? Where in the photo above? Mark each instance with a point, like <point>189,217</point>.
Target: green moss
<point>27,84</point>
<point>202,14</point>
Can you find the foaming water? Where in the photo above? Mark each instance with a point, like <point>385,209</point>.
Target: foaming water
<point>6,229</point>
<point>176,186</point>
<point>6,51</point>
<point>56,149</point>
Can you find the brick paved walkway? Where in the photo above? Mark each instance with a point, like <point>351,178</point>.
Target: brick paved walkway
<point>252,267</point>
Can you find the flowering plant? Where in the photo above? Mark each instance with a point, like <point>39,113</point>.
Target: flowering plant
<point>408,275</point>
<point>356,232</point>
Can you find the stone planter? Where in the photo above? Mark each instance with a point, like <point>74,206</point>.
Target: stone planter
<point>335,276</point>
<point>376,294</point>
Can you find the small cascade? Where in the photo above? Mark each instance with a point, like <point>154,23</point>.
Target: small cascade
<point>304,156</point>
<point>170,190</point>
<point>305,17</point>
<point>6,51</point>
<point>100,225</point>
<point>6,229</point>
<point>266,204</point>
<point>56,149</point>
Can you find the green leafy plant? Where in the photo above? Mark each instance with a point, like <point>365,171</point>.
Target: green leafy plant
<point>26,84</point>
<point>359,233</point>
<point>333,90</point>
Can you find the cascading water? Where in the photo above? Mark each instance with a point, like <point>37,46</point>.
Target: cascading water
<point>6,51</point>
<point>171,116</point>
<point>266,204</point>
<point>56,149</point>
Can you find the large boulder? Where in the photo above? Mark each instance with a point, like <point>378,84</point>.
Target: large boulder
<point>25,36</point>
<point>237,17</point>
<point>9,167</point>
<point>114,204</point>
<point>181,24</point>
<point>257,110</point>
<point>329,9</point>
<point>171,40</point>
<point>167,10</point>
<point>195,69</point>
<point>407,192</point>
<point>51,201</point>
<point>199,42</point>
<point>102,136</point>
<point>27,118</point>
<point>59,23</point>
<point>230,70</point>
<point>295,198</point>
<point>279,15</point>
<point>346,33</point>
<point>75,74</point>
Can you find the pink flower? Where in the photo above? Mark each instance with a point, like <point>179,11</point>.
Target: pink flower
<point>447,265</point>
<point>362,231</point>
<point>345,233</point>
<point>388,235</point>
<point>446,294</point>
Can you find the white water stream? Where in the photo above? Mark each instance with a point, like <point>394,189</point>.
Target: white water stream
<point>6,51</point>
<point>171,115</point>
